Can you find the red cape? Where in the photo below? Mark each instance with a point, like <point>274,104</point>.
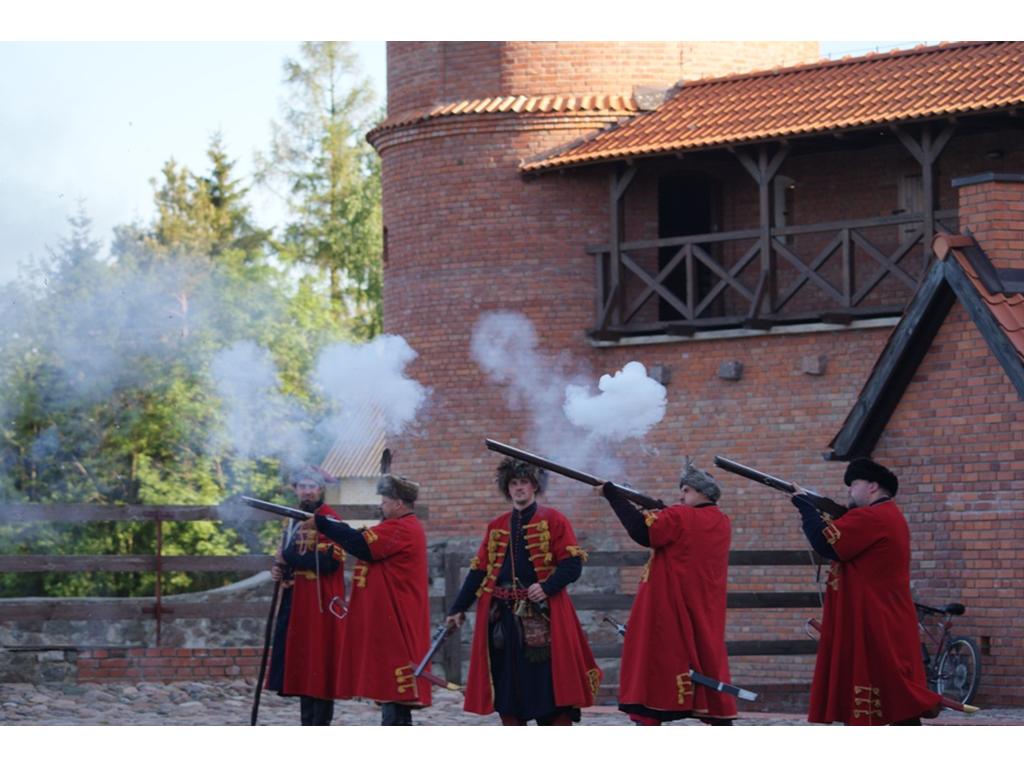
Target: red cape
<point>389,616</point>
<point>678,618</point>
<point>312,652</point>
<point>869,669</point>
<point>575,675</point>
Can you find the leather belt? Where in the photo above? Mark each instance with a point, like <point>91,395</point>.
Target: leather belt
<point>510,593</point>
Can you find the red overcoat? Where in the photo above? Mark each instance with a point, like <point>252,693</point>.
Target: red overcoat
<point>869,669</point>
<point>389,616</point>
<point>678,618</point>
<point>313,643</point>
<point>549,540</point>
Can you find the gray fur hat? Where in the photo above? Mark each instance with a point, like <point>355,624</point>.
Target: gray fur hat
<point>512,469</point>
<point>312,474</point>
<point>699,480</point>
<point>396,487</point>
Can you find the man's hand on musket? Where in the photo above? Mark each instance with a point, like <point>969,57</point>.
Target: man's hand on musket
<point>455,620</point>
<point>277,569</point>
<point>797,490</point>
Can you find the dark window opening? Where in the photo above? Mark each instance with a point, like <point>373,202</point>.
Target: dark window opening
<point>685,207</point>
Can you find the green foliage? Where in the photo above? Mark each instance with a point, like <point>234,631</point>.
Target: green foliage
<point>105,395</point>
<point>332,178</point>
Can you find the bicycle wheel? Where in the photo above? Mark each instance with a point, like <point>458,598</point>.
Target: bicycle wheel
<point>959,670</point>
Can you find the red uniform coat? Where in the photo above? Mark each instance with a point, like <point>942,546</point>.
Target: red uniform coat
<point>678,618</point>
<point>869,669</point>
<point>549,540</point>
<point>312,651</point>
<point>389,616</point>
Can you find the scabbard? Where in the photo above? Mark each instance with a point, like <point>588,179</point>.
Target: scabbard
<point>697,677</point>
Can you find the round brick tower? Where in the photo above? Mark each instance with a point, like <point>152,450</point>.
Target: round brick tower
<point>466,232</point>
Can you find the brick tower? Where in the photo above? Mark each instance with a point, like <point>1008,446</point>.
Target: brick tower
<point>466,232</point>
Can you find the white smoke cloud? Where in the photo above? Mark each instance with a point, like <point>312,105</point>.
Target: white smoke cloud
<point>259,421</point>
<point>629,404</point>
<point>565,423</point>
<point>366,383</point>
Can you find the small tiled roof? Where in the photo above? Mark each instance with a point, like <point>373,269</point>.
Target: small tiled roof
<point>877,89</point>
<point>357,453</point>
<point>962,272</point>
<point>1006,308</point>
<point>590,103</point>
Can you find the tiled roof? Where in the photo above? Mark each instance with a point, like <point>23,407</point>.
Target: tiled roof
<point>1006,308</point>
<point>877,89</point>
<point>357,453</point>
<point>590,103</point>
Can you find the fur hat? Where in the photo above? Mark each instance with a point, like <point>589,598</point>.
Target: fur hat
<point>312,474</point>
<point>700,481</point>
<point>512,469</point>
<point>395,487</point>
<point>873,472</point>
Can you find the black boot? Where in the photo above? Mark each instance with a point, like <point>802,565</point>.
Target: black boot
<point>316,711</point>
<point>392,713</point>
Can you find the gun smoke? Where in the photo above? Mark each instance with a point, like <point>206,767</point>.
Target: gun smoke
<point>566,422</point>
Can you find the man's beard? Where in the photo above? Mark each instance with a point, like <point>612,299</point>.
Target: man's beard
<point>310,505</point>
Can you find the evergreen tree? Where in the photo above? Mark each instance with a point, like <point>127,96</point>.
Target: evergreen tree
<point>332,180</point>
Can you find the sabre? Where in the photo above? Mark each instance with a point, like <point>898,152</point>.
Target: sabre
<point>277,509</point>
<point>440,634</point>
<point>697,677</point>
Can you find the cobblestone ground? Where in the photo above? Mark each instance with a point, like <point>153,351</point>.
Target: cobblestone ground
<point>230,703</point>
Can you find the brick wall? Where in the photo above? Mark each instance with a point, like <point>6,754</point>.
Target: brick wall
<point>107,665</point>
<point>425,73</point>
<point>468,234</point>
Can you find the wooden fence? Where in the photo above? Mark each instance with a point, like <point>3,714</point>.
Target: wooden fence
<point>453,564</point>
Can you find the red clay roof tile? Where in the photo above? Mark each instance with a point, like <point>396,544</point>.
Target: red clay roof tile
<point>947,79</point>
<point>1007,309</point>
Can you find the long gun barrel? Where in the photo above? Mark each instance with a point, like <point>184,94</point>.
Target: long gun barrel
<point>822,503</point>
<point>277,509</point>
<point>531,458</point>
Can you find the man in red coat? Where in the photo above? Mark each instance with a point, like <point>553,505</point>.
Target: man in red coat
<point>389,615</point>
<point>530,657</point>
<point>306,655</point>
<point>677,623</point>
<point>869,669</point>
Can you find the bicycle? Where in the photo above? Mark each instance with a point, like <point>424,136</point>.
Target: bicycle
<point>953,669</point>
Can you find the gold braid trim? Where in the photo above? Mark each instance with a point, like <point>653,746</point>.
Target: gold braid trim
<point>359,574</point>
<point>867,702</point>
<point>594,680</point>
<point>832,533</point>
<point>579,552</point>
<point>684,686</point>
<point>404,679</point>
<point>474,564</point>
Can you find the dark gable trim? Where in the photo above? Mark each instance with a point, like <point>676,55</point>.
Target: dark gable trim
<point>908,344</point>
<point>903,353</point>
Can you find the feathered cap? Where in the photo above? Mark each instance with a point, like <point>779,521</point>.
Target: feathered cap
<point>873,472</point>
<point>512,469</point>
<point>396,487</point>
<point>699,480</point>
<point>312,474</point>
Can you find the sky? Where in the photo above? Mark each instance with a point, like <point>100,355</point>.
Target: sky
<point>90,123</point>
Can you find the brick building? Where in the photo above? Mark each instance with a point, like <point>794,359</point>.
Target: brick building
<point>772,240</point>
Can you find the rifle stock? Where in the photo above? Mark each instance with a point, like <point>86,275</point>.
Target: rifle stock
<point>822,503</point>
<point>574,474</point>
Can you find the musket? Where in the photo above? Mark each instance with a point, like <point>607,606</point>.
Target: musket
<point>821,503</point>
<point>277,509</point>
<point>440,634</point>
<point>697,677</point>
<point>945,701</point>
<point>531,458</point>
